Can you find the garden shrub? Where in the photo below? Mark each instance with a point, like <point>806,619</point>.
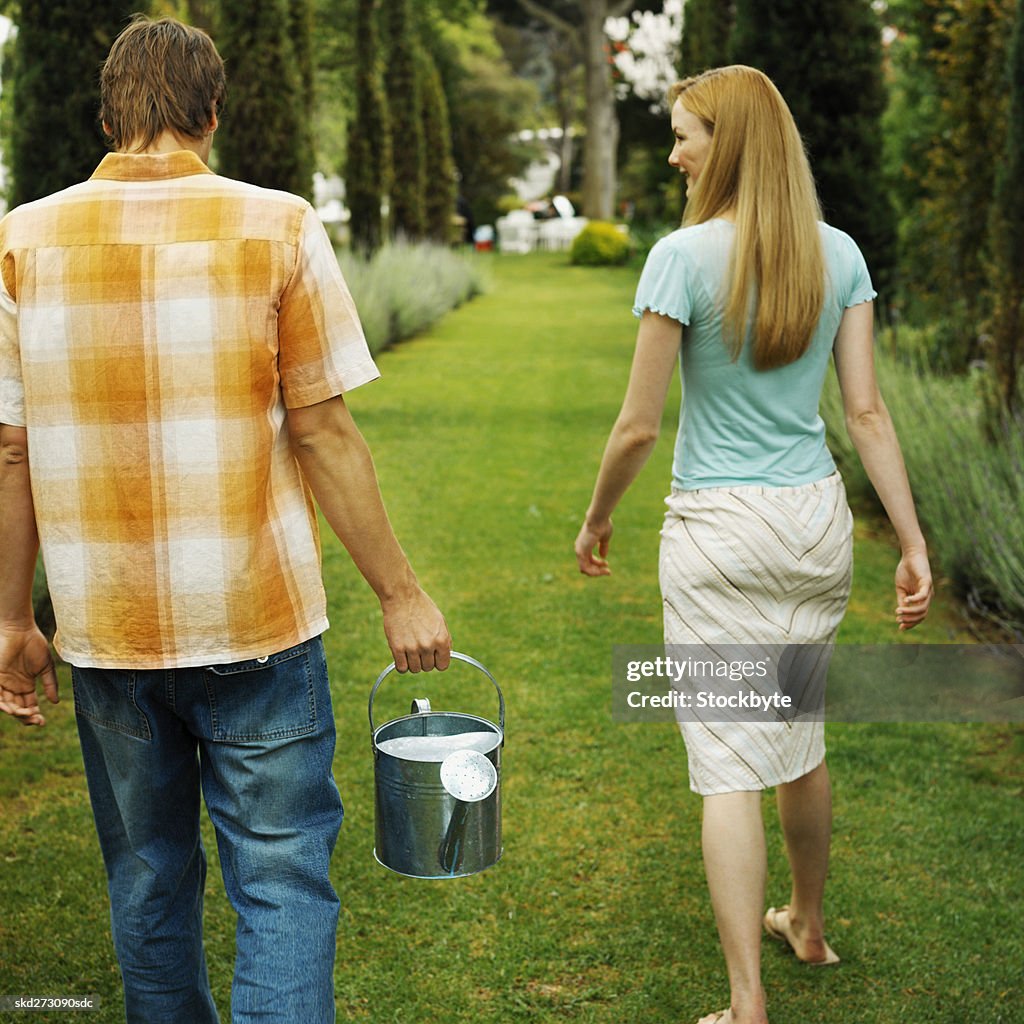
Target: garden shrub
<point>407,287</point>
<point>599,244</point>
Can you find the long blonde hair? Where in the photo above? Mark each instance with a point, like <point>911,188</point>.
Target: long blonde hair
<point>756,166</point>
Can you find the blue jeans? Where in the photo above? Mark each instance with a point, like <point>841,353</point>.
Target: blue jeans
<point>257,737</point>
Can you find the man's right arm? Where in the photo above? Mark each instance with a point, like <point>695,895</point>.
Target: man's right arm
<point>24,651</point>
<point>337,463</point>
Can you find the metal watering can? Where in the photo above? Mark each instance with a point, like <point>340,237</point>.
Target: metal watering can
<point>437,784</point>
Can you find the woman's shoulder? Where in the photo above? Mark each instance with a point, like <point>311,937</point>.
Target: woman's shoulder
<point>694,239</point>
<point>691,233</point>
<point>846,266</point>
<point>836,240</point>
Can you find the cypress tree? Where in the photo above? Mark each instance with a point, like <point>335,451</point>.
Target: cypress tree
<point>707,26</point>
<point>1007,220</point>
<point>826,58</point>
<point>408,185</point>
<point>265,123</point>
<point>949,113</point>
<point>55,137</point>
<point>368,160</point>
<point>300,32</point>
<point>439,168</point>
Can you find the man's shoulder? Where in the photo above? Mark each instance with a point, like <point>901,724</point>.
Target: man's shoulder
<point>66,217</point>
<point>255,193</point>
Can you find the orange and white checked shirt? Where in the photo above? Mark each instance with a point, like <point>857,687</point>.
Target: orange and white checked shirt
<point>155,323</point>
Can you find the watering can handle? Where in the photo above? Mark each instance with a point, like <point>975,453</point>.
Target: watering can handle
<point>459,657</point>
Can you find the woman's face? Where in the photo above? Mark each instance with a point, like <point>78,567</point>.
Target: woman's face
<point>693,141</point>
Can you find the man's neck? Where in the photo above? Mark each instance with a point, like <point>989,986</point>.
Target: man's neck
<point>168,142</point>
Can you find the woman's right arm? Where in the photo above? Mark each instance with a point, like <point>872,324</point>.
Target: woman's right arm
<point>871,429</point>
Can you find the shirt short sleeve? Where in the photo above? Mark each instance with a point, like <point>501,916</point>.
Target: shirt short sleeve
<point>12,387</point>
<point>859,280</point>
<point>665,283</point>
<point>322,350</point>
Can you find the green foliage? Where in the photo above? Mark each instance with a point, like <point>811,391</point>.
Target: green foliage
<point>653,192</point>
<point>487,105</point>
<point>599,244</point>
<point>947,113</point>
<point>969,491</point>
<point>368,170</point>
<point>1007,228</point>
<point>706,30</point>
<point>299,27</point>
<point>439,169</point>
<point>406,287</point>
<point>55,138</point>
<point>336,58</point>
<point>826,58</point>
<point>263,132</point>
<point>408,151</point>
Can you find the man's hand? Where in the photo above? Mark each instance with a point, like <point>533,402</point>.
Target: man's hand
<point>416,632</point>
<point>24,657</point>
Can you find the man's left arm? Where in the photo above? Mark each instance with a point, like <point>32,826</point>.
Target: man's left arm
<point>24,652</point>
<point>338,466</point>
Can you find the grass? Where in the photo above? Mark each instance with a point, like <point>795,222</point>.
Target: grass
<point>487,433</point>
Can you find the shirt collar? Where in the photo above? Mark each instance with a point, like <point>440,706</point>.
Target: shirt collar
<point>150,166</point>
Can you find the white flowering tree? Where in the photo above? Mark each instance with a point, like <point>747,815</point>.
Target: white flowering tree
<point>645,51</point>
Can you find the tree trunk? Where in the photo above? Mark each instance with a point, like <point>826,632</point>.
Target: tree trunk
<point>602,125</point>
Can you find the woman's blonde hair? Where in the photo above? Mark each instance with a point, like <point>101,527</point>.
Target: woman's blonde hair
<point>756,166</point>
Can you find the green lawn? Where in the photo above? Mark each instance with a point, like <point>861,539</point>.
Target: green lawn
<point>487,434</point>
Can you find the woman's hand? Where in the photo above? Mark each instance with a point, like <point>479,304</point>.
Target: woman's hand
<point>591,536</point>
<point>913,589</point>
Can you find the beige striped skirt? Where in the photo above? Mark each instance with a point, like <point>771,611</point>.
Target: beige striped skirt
<point>755,565</point>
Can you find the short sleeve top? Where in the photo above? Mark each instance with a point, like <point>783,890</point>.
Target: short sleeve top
<point>739,425</point>
<point>156,323</point>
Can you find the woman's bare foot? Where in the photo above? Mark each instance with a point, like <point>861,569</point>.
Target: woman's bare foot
<point>811,949</point>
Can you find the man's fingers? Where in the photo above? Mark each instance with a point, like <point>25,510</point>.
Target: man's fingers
<point>50,685</point>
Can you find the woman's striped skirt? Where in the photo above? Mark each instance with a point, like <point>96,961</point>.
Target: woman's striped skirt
<point>759,566</point>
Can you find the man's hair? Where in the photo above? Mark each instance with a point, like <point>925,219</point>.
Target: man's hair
<point>160,75</point>
<point>757,167</point>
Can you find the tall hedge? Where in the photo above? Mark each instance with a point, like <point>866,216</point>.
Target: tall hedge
<point>408,151</point>
<point>55,137</point>
<point>706,30</point>
<point>439,167</point>
<point>262,133</point>
<point>368,161</point>
<point>1007,219</point>
<point>300,34</point>
<point>826,58</point>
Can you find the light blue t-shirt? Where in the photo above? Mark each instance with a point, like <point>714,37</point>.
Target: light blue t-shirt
<point>739,425</point>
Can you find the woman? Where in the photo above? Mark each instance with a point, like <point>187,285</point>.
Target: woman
<point>752,295</point>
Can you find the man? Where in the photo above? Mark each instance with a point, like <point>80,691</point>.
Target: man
<point>173,351</point>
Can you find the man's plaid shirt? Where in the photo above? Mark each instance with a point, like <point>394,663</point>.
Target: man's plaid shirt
<point>155,323</point>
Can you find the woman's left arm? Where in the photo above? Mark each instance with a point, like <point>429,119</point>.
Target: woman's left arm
<point>632,438</point>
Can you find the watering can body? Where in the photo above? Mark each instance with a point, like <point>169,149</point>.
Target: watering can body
<point>421,829</point>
